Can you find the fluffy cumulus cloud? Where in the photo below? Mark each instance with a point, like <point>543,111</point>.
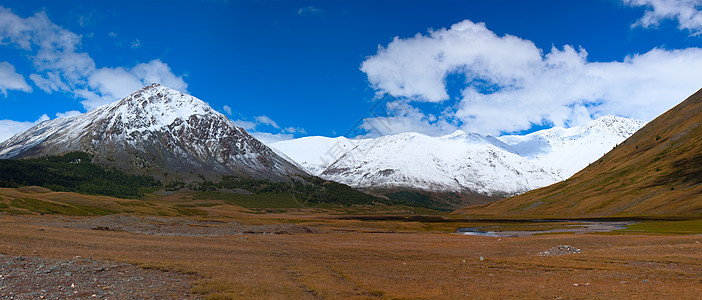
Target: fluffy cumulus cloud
<point>10,80</point>
<point>511,84</point>
<point>108,84</point>
<point>402,117</point>
<point>60,66</point>
<point>685,12</point>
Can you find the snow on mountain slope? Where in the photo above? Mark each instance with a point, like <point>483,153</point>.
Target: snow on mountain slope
<point>158,131</point>
<point>460,161</point>
<point>569,150</point>
<point>315,153</point>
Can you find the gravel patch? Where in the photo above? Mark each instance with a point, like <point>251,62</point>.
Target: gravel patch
<point>559,250</point>
<point>85,278</point>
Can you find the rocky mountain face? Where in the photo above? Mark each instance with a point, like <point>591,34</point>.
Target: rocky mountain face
<point>156,131</point>
<point>656,171</point>
<point>460,162</point>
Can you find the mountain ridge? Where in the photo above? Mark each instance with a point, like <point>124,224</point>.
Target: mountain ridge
<point>656,171</point>
<point>157,131</point>
<point>350,160</point>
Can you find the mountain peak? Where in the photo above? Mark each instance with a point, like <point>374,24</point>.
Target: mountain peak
<point>158,131</point>
<point>153,107</point>
<point>621,126</point>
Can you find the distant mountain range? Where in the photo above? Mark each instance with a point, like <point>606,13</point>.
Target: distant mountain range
<point>156,131</point>
<point>172,136</point>
<point>656,171</point>
<point>460,162</point>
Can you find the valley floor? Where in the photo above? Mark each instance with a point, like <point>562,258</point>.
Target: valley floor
<point>305,256</point>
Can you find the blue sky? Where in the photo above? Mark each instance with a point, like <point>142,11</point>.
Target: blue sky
<point>287,69</point>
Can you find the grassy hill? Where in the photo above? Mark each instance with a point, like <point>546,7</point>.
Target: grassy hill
<point>656,172</point>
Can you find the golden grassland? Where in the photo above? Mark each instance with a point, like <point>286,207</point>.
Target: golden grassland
<point>657,171</point>
<point>394,255</point>
<point>406,265</point>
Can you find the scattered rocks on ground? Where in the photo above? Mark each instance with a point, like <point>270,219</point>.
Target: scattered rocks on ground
<point>78,278</point>
<point>560,250</point>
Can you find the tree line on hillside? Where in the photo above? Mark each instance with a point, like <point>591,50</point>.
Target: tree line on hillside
<point>73,172</point>
<point>310,191</point>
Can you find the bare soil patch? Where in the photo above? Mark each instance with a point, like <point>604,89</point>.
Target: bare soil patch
<point>84,278</point>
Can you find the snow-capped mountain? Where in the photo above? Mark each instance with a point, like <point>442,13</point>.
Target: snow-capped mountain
<point>157,131</point>
<point>569,150</point>
<point>316,153</point>
<point>460,162</point>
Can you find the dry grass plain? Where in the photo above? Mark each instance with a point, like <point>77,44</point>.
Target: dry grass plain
<point>383,258</point>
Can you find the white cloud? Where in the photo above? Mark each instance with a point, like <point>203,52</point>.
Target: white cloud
<point>157,71</point>
<point>43,118</point>
<point>227,109</point>
<point>309,11</point>
<point>511,84</point>
<point>248,126</point>
<point>109,84</point>
<point>136,43</point>
<point>61,66</point>
<point>114,83</point>
<point>295,130</point>
<point>402,117</point>
<point>8,128</point>
<point>68,114</point>
<point>10,80</point>
<point>50,82</point>
<point>685,12</point>
<point>269,138</point>
<point>416,67</point>
<point>267,121</point>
